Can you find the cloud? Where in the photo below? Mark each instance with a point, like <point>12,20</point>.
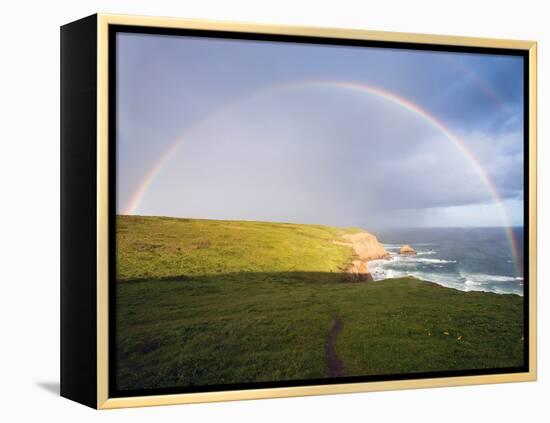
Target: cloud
<point>323,156</point>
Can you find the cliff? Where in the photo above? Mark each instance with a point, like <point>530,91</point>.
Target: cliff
<point>366,247</point>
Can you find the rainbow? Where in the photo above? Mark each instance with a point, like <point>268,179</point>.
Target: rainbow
<point>358,88</point>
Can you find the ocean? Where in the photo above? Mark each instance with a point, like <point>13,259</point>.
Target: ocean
<point>468,259</point>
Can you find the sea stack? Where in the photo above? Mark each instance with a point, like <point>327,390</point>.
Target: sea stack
<point>407,250</point>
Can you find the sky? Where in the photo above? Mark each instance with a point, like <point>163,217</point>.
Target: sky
<point>337,135</point>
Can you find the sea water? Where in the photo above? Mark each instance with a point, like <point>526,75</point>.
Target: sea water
<point>468,259</point>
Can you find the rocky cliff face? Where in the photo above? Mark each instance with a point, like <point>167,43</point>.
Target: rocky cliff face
<point>367,247</point>
<point>358,271</point>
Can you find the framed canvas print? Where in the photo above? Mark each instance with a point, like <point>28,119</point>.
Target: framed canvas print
<point>255,211</point>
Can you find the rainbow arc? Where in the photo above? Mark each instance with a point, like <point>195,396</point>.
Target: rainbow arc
<point>357,88</point>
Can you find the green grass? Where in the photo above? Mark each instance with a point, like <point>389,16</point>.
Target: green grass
<point>204,302</point>
<point>157,247</point>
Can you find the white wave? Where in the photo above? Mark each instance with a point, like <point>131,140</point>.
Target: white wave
<point>451,281</point>
<point>482,278</point>
<point>425,253</point>
<point>442,261</point>
<point>399,268</point>
<point>416,259</point>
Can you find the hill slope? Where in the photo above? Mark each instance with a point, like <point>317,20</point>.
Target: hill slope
<point>165,247</point>
<point>203,302</point>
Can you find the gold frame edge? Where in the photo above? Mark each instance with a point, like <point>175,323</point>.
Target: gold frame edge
<point>103,400</point>
<point>102,213</point>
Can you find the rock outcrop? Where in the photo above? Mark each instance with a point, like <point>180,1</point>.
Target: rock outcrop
<point>366,247</point>
<point>358,271</point>
<point>407,250</point>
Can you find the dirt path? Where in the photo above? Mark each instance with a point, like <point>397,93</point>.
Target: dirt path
<point>334,364</point>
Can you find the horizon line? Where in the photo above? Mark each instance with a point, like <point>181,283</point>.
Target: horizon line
<point>358,226</point>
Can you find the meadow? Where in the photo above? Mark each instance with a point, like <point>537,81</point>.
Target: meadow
<point>206,302</point>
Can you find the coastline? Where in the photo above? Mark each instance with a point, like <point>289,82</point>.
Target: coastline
<point>366,248</point>
<point>466,259</point>
<point>374,261</point>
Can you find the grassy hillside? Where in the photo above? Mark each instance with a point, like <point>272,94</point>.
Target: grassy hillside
<point>156,247</point>
<point>211,302</point>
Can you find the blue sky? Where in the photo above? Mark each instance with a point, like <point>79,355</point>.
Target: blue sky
<point>266,131</point>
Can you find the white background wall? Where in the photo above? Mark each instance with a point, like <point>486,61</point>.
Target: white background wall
<point>29,236</point>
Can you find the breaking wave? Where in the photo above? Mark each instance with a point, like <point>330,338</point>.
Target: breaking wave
<point>445,271</point>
